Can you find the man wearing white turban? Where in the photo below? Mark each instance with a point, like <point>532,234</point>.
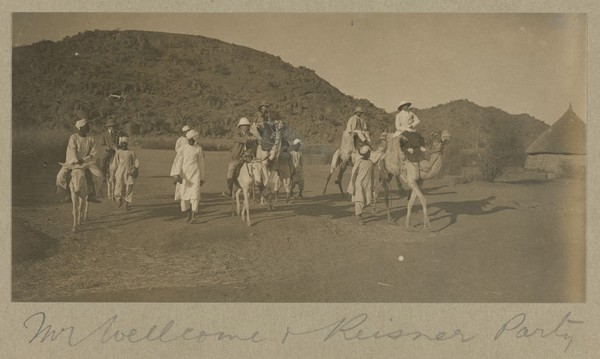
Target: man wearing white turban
<point>361,182</point>
<point>189,172</point>
<point>81,149</point>
<point>180,142</point>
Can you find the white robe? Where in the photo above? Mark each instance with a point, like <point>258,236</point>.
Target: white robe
<point>190,166</point>
<point>180,142</point>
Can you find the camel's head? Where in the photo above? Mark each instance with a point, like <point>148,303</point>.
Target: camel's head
<point>438,141</point>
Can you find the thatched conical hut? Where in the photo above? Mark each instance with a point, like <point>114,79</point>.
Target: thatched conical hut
<point>561,149</point>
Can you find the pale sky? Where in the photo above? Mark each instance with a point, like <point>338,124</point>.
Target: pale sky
<point>521,63</point>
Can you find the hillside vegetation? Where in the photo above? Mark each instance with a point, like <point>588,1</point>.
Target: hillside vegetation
<point>153,83</point>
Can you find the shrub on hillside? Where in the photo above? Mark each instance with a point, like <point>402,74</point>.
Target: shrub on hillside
<point>501,151</point>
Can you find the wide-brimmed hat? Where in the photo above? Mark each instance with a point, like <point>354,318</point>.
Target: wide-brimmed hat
<point>110,122</point>
<point>264,103</point>
<point>359,110</point>
<point>244,122</point>
<point>402,103</point>
<point>297,141</point>
<point>185,128</point>
<point>364,150</point>
<point>123,139</point>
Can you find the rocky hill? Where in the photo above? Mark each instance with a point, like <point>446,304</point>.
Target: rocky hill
<point>165,80</point>
<point>155,82</point>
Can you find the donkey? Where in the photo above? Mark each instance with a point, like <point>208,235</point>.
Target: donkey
<point>79,193</point>
<point>250,174</point>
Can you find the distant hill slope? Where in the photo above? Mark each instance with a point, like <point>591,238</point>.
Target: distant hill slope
<point>167,80</point>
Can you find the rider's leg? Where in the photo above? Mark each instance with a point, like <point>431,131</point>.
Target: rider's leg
<point>91,187</point>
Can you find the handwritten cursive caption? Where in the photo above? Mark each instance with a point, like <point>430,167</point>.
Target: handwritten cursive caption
<point>357,328</point>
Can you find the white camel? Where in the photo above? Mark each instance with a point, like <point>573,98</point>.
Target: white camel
<point>394,163</point>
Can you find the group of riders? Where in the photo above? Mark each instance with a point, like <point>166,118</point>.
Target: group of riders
<point>262,139</point>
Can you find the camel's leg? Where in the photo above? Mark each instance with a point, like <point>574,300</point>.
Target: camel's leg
<point>237,204</point>
<point>416,193</point>
<point>338,181</point>
<point>327,182</point>
<point>233,211</point>
<point>246,208</point>
<point>411,202</point>
<point>110,189</point>
<point>387,201</point>
<point>375,194</point>
<point>85,208</point>
<point>83,205</point>
<point>423,201</point>
<point>335,162</point>
<point>399,185</point>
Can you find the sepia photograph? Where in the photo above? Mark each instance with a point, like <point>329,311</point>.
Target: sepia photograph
<point>299,157</point>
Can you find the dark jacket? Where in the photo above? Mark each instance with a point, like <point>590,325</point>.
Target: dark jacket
<point>244,144</point>
<point>110,140</point>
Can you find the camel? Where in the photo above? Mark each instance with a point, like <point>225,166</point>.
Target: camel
<point>394,163</point>
<point>250,174</point>
<point>79,193</point>
<point>341,165</point>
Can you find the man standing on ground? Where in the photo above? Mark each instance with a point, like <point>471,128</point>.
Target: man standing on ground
<point>361,183</point>
<point>190,173</point>
<point>182,140</point>
<point>81,149</point>
<point>110,143</point>
<point>297,163</point>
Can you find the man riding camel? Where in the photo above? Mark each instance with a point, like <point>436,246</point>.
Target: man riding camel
<point>265,126</point>
<point>357,127</point>
<point>412,143</point>
<point>244,148</point>
<point>80,150</point>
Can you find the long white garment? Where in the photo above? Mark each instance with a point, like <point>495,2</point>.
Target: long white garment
<point>125,161</point>
<point>178,145</point>
<point>84,148</point>
<point>190,166</point>
<point>80,147</point>
<point>361,187</point>
<point>405,121</point>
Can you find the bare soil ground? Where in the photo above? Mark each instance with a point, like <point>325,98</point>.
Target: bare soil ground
<point>519,241</point>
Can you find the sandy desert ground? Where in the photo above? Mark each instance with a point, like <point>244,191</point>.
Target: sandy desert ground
<point>519,241</point>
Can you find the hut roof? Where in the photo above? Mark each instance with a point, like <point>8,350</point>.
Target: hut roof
<point>565,136</point>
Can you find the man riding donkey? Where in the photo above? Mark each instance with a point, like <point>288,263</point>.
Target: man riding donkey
<point>270,135</point>
<point>244,149</point>
<point>81,150</point>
